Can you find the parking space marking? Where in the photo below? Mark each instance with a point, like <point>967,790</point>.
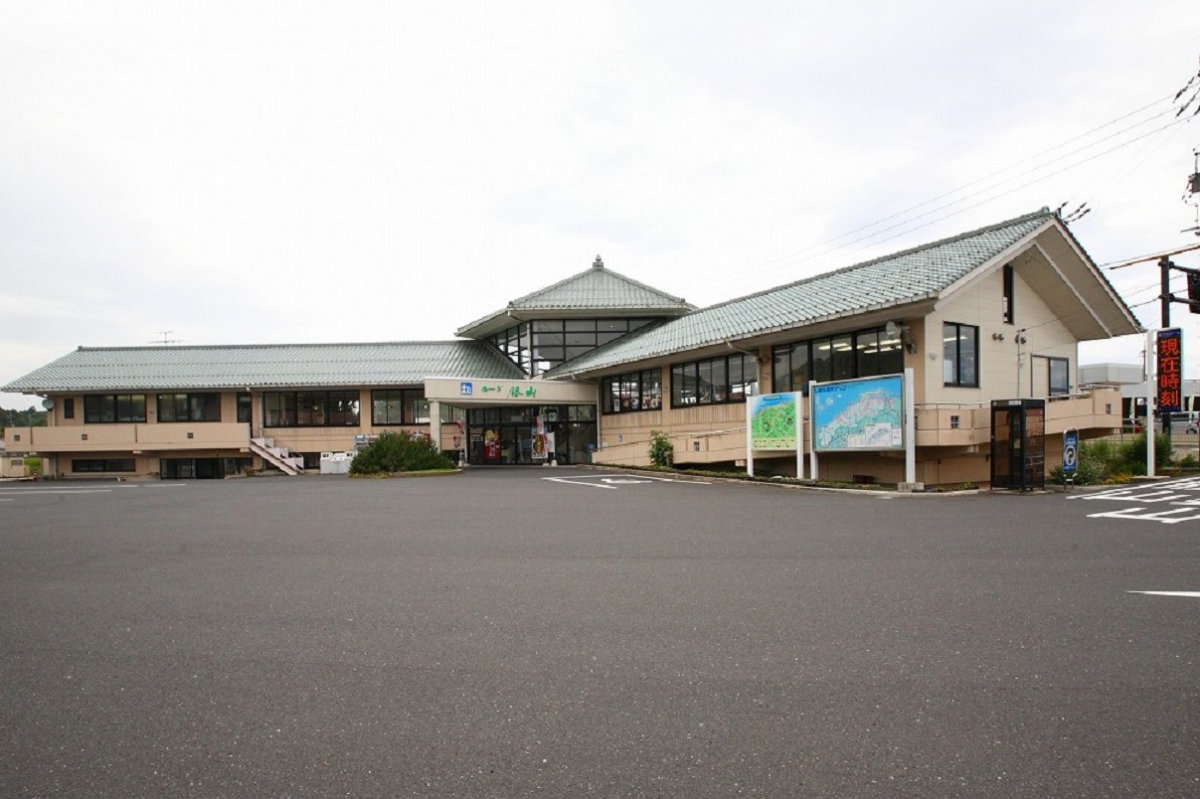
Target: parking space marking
<point>7,492</point>
<point>612,482</point>
<point>1183,495</point>
<point>1192,594</point>
<point>27,492</point>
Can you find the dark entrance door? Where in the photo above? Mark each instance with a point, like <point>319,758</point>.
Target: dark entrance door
<point>505,436</point>
<point>1018,455</point>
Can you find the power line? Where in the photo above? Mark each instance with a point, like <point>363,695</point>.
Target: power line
<point>907,226</point>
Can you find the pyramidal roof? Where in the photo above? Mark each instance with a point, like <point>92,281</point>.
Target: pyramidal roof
<point>597,290</point>
<point>906,277</point>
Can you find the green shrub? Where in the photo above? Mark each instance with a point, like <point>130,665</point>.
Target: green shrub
<point>399,452</point>
<point>662,451</point>
<point>1103,461</point>
<point>1133,453</point>
<point>1088,472</point>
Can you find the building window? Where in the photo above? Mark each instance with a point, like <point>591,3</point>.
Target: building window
<point>543,344</point>
<point>960,347</point>
<point>69,408</point>
<point>310,408</point>
<point>189,407</point>
<point>864,353</point>
<point>244,407</point>
<point>103,465</point>
<point>391,406</point>
<point>114,408</point>
<point>636,391</point>
<point>714,381</point>
<point>1009,315</point>
<point>1060,375</point>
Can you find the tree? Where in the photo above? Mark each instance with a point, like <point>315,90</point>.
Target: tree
<point>30,418</point>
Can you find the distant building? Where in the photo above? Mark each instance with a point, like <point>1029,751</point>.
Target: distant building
<point>584,369</point>
<point>1130,379</point>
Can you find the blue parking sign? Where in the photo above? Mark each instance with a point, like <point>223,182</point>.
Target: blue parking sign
<point>1070,452</point>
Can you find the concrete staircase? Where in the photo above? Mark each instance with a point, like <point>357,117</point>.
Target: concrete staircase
<point>278,456</point>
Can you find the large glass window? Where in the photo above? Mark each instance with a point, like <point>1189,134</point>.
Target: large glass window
<point>960,347</point>
<point>103,465</point>
<point>714,381</point>
<point>864,353</point>
<point>399,406</point>
<point>310,408</point>
<point>635,391</point>
<point>114,408</point>
<point>184,407</point>
<point>1060,376</point>
<point>543,344</point>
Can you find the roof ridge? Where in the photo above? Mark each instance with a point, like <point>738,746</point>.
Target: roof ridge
<point>587,273</point>
<point>313,344</point>
<point>1044,212</point>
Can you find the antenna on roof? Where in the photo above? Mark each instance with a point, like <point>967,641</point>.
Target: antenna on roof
<point>166,339</point>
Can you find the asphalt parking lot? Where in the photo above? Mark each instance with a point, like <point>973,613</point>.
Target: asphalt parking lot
<point>498,633</point>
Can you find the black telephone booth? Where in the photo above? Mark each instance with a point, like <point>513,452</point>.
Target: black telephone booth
<point>1019,444</point>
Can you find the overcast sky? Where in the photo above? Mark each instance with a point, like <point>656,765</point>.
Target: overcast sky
<point>255,172</point>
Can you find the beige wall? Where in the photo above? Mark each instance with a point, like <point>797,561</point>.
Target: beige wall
<point>980,303</point>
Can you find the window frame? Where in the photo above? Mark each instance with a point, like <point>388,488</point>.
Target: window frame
<point>324,398</point>
<point>1065,363</point>
<point>870,351</point>
<point>632,392</point>
<point>1009,298</point>
<point>113,403</point>
<point>197,407</point>
<point>715,374</point>
<point>959,381</point>
<point>85,465</point>
<point>413,406</point>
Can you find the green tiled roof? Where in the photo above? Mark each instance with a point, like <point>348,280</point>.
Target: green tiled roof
<point>899,279</point>
<point>597,289</point>
<point>266,365</point>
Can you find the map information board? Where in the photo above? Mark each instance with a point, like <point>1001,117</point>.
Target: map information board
<point>773,420</point>
<point>865,414</point>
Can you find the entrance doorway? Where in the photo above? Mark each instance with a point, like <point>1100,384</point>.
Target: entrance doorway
<point>1019,444</point>
<point>509,436</point>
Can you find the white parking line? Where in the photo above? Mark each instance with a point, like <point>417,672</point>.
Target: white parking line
<point>1192,594</point>
<point>155,485</point>
<point>28,492</point>
<point>616,480</point>
<point>1183,494</point>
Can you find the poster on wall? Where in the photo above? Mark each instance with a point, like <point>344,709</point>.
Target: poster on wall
<point>773,420</point>
<point>491,445</point>
<point>864,414</point>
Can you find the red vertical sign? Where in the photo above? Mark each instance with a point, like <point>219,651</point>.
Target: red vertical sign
<point>1170,370</point>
